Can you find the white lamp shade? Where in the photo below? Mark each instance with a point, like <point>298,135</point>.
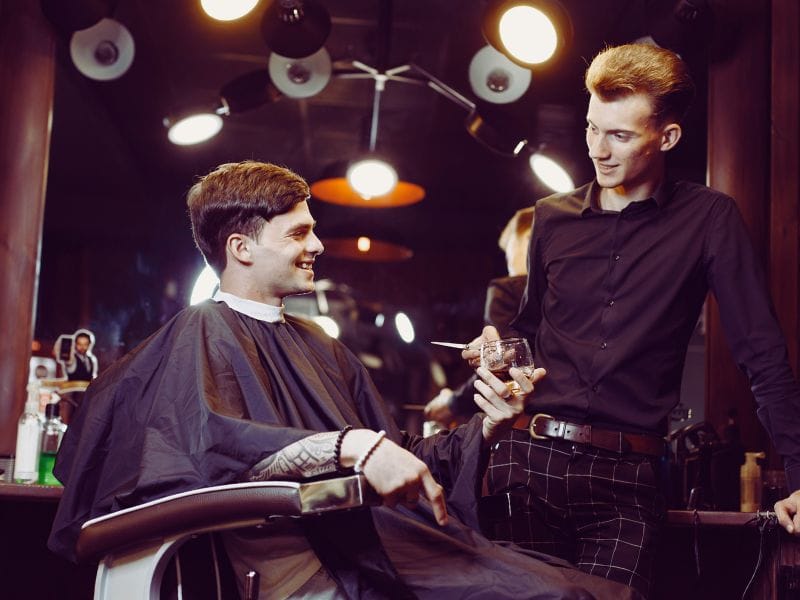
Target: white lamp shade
<point>103,51</point>
<point>495,78</point>
<point>301,77</point>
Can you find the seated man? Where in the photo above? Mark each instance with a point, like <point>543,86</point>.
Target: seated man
<point>234,389</point>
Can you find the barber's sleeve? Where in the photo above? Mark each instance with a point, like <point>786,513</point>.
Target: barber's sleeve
<point>753,332</point>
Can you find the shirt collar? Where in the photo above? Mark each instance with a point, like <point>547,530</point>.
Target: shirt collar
<point>591,198</point>
<point>257,310</point>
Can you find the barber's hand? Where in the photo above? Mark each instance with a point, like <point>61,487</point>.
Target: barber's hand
<point>472,353</point>
<point>396,474</point>
<point>438,409</point>
<point>501,406</point>
<point>788,511</point>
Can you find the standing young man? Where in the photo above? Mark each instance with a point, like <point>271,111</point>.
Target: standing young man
<point>618,272</point>
<point>233,389</point>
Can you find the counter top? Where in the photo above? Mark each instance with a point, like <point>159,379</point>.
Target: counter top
<point>18,491</point>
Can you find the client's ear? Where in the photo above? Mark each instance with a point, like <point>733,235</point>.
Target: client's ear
<point>237,247</point>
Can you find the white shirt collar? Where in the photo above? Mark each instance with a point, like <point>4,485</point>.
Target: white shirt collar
<point>257,310</point>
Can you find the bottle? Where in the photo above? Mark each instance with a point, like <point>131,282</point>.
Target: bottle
<point>750,482</point>
<point>29,439</point>
<point>54,430</point>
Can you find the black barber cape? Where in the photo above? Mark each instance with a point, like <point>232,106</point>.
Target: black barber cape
<point>214,391</point>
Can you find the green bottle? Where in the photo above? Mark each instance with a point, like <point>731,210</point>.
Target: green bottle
<point>54,430</point>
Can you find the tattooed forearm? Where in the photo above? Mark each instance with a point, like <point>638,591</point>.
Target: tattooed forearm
<point>308,457</point>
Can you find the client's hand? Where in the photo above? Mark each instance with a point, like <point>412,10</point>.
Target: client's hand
<point>501,405</point>
<point>472,353</point>
<point>396,474</point>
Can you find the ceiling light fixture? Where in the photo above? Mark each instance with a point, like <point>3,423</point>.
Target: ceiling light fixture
<point>295,28</point>
<point>494,78</point>
<point>551,173</point>
<point>103,51</point>
<point>371,181</point>
<point>366,249</point>
<point>529,32</point>
<point>227,10</point>
<point>192,128</point>
<point>301,77</point>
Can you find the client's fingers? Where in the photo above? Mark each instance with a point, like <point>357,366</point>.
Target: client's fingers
<point>435,494</point>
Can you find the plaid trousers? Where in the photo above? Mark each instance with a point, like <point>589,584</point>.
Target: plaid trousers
<point>598,509</point>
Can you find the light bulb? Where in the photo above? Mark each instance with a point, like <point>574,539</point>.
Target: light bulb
<point>372,177</point>
<point>528,34</point>
<point>551,173</point>
<point>227,10</point>
<point>195,129</point>
<point>404,327</point>
<point>363,244</point>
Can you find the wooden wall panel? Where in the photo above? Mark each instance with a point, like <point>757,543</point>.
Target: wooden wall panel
<point>27,72</point>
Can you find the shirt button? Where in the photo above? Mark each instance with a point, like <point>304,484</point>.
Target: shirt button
<point>594,388</point>
<point>603,346</point>
<point>616,257</point>
<point>611,303</point>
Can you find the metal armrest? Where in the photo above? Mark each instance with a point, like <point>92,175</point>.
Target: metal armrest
<point>136,543</point>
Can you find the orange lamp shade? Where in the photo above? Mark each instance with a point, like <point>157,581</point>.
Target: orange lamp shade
<point>337,190</point>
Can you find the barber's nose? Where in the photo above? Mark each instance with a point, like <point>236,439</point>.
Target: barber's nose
<point>598,148</point>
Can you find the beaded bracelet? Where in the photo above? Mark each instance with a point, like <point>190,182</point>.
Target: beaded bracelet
<point>337,451</point>
<point>362,460</point>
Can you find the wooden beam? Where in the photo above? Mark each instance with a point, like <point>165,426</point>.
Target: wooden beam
<point>27,74</point>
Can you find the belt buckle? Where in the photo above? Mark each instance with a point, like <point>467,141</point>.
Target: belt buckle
<point>531,428</point>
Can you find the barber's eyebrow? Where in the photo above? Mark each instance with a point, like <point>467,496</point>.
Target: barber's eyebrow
<point>612,131</point>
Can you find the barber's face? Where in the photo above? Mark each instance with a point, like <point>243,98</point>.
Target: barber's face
<point>625,143</point>
<point>283,255</point>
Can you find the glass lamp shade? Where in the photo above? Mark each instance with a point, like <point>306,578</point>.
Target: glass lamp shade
<point>550,173</point>
<point>528,34</point>
<point>371,178</point>
<point>194,129</point>
<point>227,10</point>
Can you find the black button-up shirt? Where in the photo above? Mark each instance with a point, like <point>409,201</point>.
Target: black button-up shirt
<point>613,297</point>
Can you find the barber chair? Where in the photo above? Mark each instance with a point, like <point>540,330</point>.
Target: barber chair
<point>134,546</point>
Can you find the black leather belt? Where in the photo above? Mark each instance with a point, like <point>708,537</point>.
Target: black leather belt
<point>542,426</point>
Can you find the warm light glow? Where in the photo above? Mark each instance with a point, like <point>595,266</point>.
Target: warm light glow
<point>204,286</point>
<point>195,129</point>
<point>551,173</point>
<point>227,10</point>
<point>328,325</point>
<point>528,34</point>
<point>371,177</point>
<point>404,327</point>
<point>363,244</point>
<point>379,319</point>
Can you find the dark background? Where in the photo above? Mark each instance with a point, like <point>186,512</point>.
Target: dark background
<point>117,253</point>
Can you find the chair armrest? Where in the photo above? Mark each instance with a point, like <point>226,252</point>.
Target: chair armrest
<point>220,507</point>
